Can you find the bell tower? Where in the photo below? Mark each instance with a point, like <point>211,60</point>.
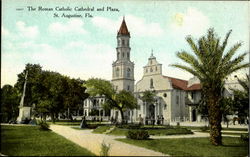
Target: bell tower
<point>123,68</point>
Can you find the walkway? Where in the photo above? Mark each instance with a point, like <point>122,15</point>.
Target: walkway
<point>92,142</point>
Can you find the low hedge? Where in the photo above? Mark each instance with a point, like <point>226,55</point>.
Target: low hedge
<point>138,134</point>
<point>174,131</point>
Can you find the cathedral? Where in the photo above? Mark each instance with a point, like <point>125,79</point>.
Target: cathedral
<point>175,99</point>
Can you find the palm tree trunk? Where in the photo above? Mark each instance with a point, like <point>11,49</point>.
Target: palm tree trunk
<point>215,118</point>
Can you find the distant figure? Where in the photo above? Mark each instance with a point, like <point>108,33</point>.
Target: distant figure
<point>146,120</point>
<point>140,120</point>
<point>112,120</point>
<point>83,123</point>
<point>158,120</point>
<point>152,121</point>
<point>162,119</point>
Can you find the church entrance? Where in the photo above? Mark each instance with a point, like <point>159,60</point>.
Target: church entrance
<point>193,115</point>
<point>152,111</point>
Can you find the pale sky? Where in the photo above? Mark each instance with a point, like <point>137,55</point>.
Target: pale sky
<point>86,47</point>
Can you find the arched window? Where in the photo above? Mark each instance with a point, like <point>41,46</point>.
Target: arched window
<point>151,83</point>
<point>128,72</point>
<point>127,55</point>
<point>123,55</point>
<point>155,68</point>
<point>117,72</point>
<point>118,55</point>
<point>123,42</point>
<point>151,69</point>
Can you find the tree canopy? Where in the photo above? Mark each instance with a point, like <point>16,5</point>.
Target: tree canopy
<point>10,99</point>
<point>51,92</point>
<point>122,100</point>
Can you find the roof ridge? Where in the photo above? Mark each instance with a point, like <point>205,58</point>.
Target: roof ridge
<point>174,78</point>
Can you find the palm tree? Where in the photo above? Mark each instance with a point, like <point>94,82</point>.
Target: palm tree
<point>211,64</point>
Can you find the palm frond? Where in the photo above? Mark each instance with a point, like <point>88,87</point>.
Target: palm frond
<point>191,60</point>
<point>235,61</point>
<point>225,41</point>
<point>238,67</point>
<point>188,69</point>
<point>194,48</point>
<point>244,83</point>
<point>231,52</point>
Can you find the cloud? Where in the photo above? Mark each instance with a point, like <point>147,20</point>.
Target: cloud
<point>21,32</point>
<point>27,31</point>
<point>5,32</point>
<point>193,22</point>
<point>75,59</point>
<point>136,25</point>
<point>72,26</point>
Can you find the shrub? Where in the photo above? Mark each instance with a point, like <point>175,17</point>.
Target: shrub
<point>244,137</point>
<point>138,134</point>
<point>129,126</point>
<point>92,126</point>
<point>104,149</point>
<point>43,125</point>
<point>205,128</point>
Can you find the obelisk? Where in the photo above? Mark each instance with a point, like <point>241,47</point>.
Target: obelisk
<point>24,111</point>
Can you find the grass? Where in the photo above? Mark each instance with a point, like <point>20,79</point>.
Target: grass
<point>66,123</point>
<point>30,141</point>
<point>102,129</point>
<point>119,132</point>
<point>199,128</point>
<point>227,133</point>
<point>232,147</point>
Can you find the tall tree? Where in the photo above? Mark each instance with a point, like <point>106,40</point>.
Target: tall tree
<point>34,71</point>
<point>74,95</point>
<point>10,99</point>
<point>121,101</point>
<point>211,64</point>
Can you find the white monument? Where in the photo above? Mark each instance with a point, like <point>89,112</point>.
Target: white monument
<point>24,111</point>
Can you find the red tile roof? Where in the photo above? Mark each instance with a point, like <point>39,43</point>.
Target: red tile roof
<point>183,84</point>
<point>123,29</point>
<point>178,83</point>
<point>195,87</point>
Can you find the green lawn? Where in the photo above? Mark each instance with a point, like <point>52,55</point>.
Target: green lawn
<point>232,147</point>
<point>199,128</point>
<point>102,129</point>
<point>30,141</point>
<point>66,123</point>
<point>227,133</point>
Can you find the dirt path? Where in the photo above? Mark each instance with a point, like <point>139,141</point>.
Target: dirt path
<point>92,142</point>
